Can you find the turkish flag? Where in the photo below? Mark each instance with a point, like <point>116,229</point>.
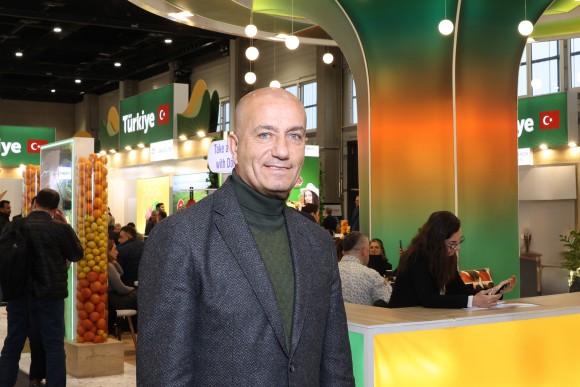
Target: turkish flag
<point>550,120</point>
<point>34,145</point>
<point>163,112</point>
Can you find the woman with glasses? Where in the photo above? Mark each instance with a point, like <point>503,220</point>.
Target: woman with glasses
<point>427,274</point>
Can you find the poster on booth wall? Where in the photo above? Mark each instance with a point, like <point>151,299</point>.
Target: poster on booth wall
<point>307,188</point>
<point>21,144</point>
<point>181,189</point>
<point>150,192</point>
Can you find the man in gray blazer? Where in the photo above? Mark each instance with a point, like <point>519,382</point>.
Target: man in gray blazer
<point>239,289</point>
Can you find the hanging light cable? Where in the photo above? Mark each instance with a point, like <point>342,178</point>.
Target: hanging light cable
<point>445,25</point>
<point>525,27</point>
<point>274,82</point>
<point>292,41</point>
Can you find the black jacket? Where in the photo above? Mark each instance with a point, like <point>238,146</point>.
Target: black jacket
<point>53,244</point>
<point>4,219</point>
<point>129,258</point>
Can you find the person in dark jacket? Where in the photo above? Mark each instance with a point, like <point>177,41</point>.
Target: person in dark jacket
<point>130,250</point>
<point>329,222</point>
<point>5,210</point>
<point>377,257</point>
<point>427,273</point>
<point>54,245</point>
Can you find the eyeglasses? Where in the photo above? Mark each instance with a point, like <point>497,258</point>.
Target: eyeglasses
<point>455,245</point>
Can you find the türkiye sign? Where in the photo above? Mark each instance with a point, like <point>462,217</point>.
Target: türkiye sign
<point>21,144</point>
<point>543,120</point>
<point>147,117</point>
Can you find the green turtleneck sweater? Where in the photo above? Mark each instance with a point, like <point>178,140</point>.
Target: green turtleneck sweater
<point>265,216</point>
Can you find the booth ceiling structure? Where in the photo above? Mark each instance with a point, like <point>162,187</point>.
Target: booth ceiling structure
<point>97,33</point>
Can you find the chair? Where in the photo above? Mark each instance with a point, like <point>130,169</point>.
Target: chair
<point>126,314</point>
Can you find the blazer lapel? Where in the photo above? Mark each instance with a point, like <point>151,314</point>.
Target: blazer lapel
<point>237,236</point>
<point>303,256</point>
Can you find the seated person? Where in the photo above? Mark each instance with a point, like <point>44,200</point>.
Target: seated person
<point>360,285</point>
<point>427,273</point>
<point>130,250</point>
<point>310,211</point>
<point>121,296</point>
<point>329,222</point>
<point>377,259</point>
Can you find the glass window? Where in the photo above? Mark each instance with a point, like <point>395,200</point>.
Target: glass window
<point>309,99</point>
<point>307,93</point>
<point>545,67</point>
<point>224,117</point>
<point>523,76</point>
<point>575,62</point>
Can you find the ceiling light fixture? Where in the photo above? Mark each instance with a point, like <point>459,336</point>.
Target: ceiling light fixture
<point>292,41</point>
<point>103,152</point>
<point>251,30</point>
<point>18,53</point>
<point>168,41</point>
<point>182,137</point>
<point>78,81</point>
<point>252,52</point>
<point>250,77</point>
<point>141,145</point>
<point>525,27</point>
<point>112,151</point>
<point>445,25</point>
<point>129,148</point>
<point>53,90</point>
<point>117,64</point>
<point>543,146</point>
<point>572,144</point>
<point>201,133</point>
<point>57,29</point>
<point>327,58</point>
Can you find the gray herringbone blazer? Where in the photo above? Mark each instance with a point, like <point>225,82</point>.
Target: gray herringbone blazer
<point>208,314</point>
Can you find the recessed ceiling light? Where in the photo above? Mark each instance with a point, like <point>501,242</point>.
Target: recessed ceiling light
<point>117,64</point>
<point>53,91</point>
<point>18,53</point>
<point>168,41</point>
<point>57,29</point>
<point>78,81</point>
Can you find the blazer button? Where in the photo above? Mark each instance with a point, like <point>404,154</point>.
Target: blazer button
<point>292,368</point>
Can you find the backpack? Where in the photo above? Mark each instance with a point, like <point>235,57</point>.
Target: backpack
<point>14,261</point>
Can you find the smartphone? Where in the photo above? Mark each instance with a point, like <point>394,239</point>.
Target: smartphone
<point>502,288</point>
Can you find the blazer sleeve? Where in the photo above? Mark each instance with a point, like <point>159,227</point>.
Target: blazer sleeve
<point>336,366</point>
<point>427,293</point>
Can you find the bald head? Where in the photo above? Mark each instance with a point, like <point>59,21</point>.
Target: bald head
<point>269,141</point>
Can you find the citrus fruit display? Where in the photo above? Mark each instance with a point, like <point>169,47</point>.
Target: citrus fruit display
<point>31,186</point>
<point>92,221</point>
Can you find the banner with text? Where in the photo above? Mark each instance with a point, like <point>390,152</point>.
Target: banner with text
<point>543,120</point>
<point>151,116</point>
<point>21,144</point>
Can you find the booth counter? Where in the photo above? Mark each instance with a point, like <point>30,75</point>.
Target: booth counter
<point>524,342</point>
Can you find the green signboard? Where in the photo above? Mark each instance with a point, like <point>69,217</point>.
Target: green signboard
<point>147,117</point>
<point>543,120</point>
<point>21,144</point>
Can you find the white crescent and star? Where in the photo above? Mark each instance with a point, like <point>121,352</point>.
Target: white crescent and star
<point>162,114</point>
<point>34,146</point>
<point>546,117</point>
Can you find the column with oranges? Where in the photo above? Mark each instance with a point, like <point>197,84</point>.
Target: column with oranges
<point>91,207</point>
<point>31,182</point>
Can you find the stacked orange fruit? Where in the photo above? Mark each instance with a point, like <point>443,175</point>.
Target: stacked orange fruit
<point>31,179</point>
<point>92,220</point>
<point>344,227</point>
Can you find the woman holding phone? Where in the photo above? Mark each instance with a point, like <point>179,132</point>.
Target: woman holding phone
<point>427,273</point>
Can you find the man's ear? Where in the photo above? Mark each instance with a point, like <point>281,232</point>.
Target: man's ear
<point>233,144</point>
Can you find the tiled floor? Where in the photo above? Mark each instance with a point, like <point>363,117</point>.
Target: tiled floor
<point>125,380</point>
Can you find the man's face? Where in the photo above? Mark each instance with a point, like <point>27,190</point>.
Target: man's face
<point>6,209</point>
<point>162,207</point>
<point>123,237</point>
<point>269,148</point>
